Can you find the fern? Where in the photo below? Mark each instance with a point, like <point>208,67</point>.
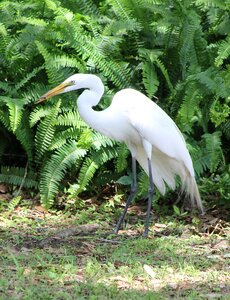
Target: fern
<point>39,113</point>
<point>53,76</point>
<point>87,172</point>
<point>27,78</point>
<point>121,9</point>
<point>223,52</point>
<point>88,7</point>
<point>189,106</point>
<point>14,202</point>
<point>16,176</point>
<point>3,30</point>
<point>15,112</point>
<point>89,168</point>
<point>201,160</point>
<point>71,118</point>
<point>165,73</point>
<point>54,170</point>
<point>226,128</point>
<point>25,136</point>
<point>214,150</point>
<point>45,132</point>
<point>122,157</point>
<point>99,140</point>
<point>150,79</point>
<point>4,119</point>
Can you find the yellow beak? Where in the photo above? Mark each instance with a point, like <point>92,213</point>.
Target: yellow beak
<point>55,91</point>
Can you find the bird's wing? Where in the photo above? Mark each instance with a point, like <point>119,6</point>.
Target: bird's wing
<point>155,126</point>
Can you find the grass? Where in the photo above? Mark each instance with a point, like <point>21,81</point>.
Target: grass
<point>179,260</point>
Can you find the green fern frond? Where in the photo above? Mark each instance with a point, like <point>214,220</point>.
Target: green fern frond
<point>45,132</point>
<point>31,21</point>
<point>99,140</point>
<point>150,79</point>
<point>122,157</point>
<point>16,176</point>
<point>54,75</point>
<point>121,9</point>
<point>223,52</point>
<point>90,166</point>
<point>88,7</point>
<point>25,136</point>
<point>55,169</point>
<point>85,138</point>
<point>87,172</point>
<point>15,108</point>
<point>5,87</point>
<point>14,202</point>
<point>226,128</point>
<point>116,71</point>
<point>143,184</point>
<point>64,61</point>
<point>120,27</point>
<point>27,78</point>
<point>4,119</point>
<point>71,118</point>
<point>38,113</point>
<point>61,137</point>
<point>164,71</point>
<point>3,30</point>
<point>214,150</point>
<point>201,160</point>
<point>103,155</point>
<point>212,3</point>
<point>206,79</point>
<point>189,106</point>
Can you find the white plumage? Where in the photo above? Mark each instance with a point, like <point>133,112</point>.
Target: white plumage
<point>149,133</point>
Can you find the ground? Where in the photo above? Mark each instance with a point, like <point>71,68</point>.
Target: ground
<point>57,255</point>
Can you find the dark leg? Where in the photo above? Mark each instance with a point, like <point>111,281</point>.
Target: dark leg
<point>131,196</point>
<point>150,196</point>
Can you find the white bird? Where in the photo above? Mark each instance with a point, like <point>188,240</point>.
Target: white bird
<point>152,137</point>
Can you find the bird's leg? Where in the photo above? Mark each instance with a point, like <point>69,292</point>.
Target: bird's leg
<point>131,195</point>
<point>150,196</point>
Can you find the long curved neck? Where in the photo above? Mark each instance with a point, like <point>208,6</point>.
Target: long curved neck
<point>87,100</point>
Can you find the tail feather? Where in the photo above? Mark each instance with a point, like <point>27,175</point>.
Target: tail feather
<point>164,171</point>
<point>190,186</point>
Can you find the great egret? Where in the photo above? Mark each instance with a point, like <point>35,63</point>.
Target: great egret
<point>152,137</point>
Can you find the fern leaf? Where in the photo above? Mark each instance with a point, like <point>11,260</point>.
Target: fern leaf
<point>15,111</point>
<point>223,52</point>
<point>87,172</point>
<point>122,157</point>
<point>213,148</point>
<point>16,176</point>
<point>27,78</point>
<point>4,118</point>
<point>38,113</point>
<point>3,30</point>
<point>71,118</point>
<point>165,73</point>
<point>45,132</point>
<point>189,107</point>
<point>54,171</point>
<point>25,136</point>
<point>99,140</point>
<point>150,79</point>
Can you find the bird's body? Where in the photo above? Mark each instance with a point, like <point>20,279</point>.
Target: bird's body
<point>152,137</point>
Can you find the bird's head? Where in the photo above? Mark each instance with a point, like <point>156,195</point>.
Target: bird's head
<point>74,82</point>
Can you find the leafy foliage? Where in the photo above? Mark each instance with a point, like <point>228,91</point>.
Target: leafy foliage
<point>174,51</point>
